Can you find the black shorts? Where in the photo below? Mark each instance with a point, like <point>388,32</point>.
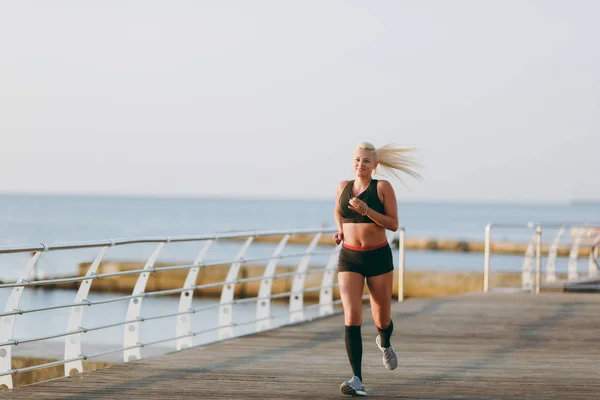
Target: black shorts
<point>367,262</point>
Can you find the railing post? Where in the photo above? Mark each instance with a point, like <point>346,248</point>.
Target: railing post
<point>263,306</point>
<point>7,324</point>
<point>326,294</point>
<point>228,292</point>
<point>486,264</point>
<point>131,334</point>
<point>401,238</point>
<point>73,342</point>
<point>183,325</point>
<point>592,267</point>
<point>552,253</point>
<point>296,306</point>
<point>538,258</point>
<point>528,272</point>
<point>572,272</point>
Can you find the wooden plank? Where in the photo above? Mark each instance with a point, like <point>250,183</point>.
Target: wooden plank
<point>476,346</point>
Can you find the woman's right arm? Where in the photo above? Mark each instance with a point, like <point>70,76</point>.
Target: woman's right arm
<point>339,235</point>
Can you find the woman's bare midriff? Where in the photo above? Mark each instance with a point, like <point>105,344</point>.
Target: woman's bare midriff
<point>363,235</point>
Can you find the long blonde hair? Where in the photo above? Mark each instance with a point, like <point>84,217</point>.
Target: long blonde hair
<point>394,159</point>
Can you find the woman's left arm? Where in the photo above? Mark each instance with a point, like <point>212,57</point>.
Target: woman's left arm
<point>388,197</point>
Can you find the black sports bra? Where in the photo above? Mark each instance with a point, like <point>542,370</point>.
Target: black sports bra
<point>369,196</point>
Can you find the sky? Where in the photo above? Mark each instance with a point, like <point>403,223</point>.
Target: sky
<point>269,98</point>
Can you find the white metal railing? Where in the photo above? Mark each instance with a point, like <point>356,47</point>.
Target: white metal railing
<point>532,265</point>
<point>134,320</point>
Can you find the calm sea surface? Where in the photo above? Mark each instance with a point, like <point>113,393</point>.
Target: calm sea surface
<point>30,219</point>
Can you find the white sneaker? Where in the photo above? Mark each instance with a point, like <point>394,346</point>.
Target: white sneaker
<point>353,387</point>
<point>390,358</point>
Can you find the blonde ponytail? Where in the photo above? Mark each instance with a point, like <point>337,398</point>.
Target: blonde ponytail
<point>394,159</point>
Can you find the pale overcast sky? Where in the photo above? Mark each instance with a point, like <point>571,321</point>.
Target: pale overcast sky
<point>269,98</point>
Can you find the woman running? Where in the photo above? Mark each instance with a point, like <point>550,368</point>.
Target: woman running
<point>364,209</point>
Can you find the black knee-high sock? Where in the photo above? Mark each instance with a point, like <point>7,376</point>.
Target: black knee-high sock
<point>386,334</point>
<point>354,349</point>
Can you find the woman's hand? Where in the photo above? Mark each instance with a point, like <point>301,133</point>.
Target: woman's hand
<point>358,205</point>
<point>338,237</point>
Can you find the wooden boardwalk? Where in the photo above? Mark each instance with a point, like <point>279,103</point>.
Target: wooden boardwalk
<point>476,346</point>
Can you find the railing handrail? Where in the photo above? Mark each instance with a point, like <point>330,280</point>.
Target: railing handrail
<point>553,224</point>
<point>156,239</point>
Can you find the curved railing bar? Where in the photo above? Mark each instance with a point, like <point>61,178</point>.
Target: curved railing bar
<point>593,262</point>
<point>158,239</point>
<point>7,322</point>
<point>552,254</point>
<point>572,273</point>
<point>183,323</point>
<point>263,308</point>
<point>73,343</point>
<point>527,274</point>
<point>131,333</point>
<point>226,310</point>
<point>297,300</point>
